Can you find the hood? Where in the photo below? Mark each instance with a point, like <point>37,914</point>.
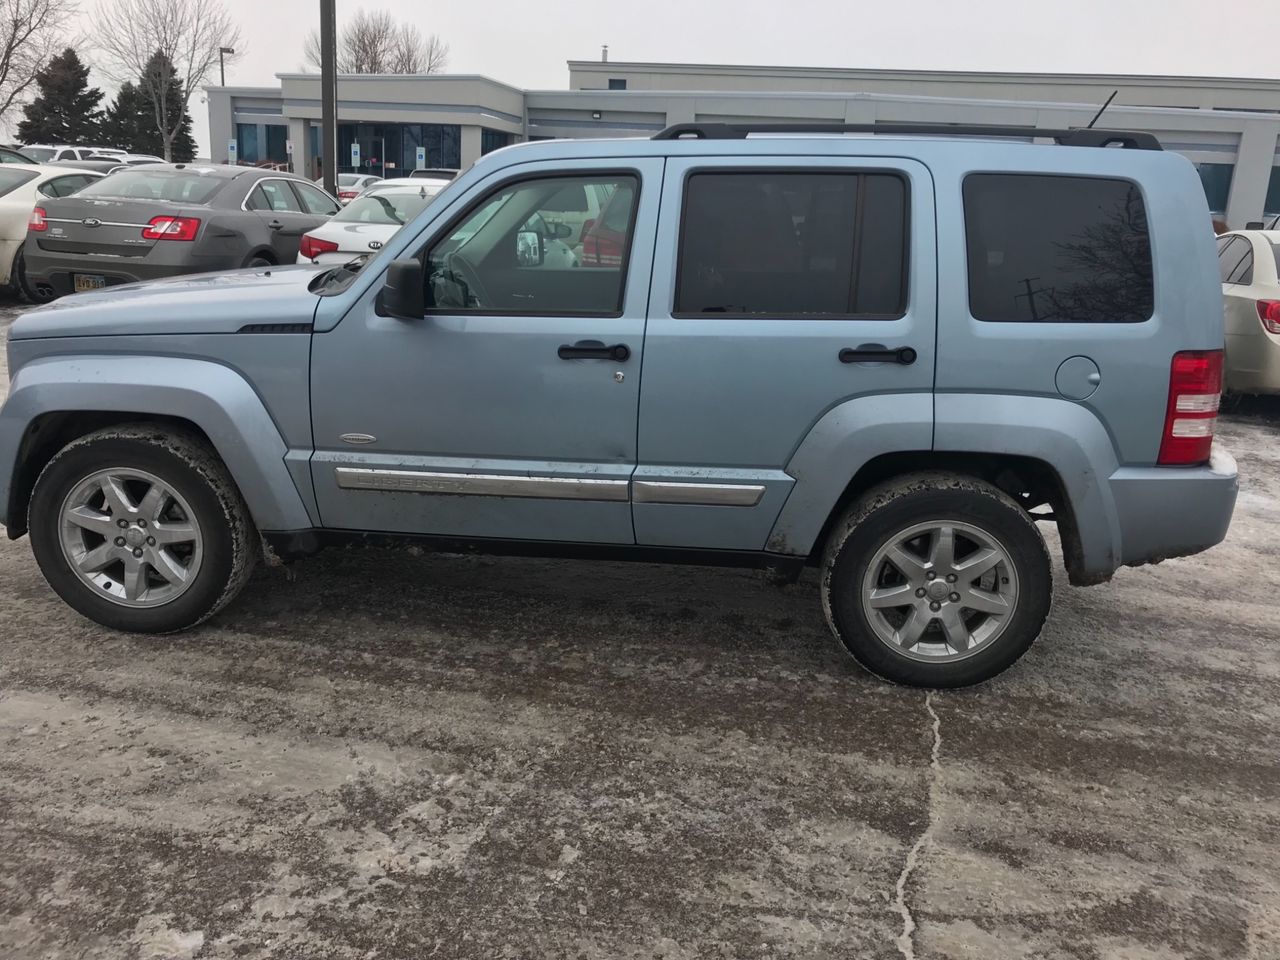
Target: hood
<point>203,303</point>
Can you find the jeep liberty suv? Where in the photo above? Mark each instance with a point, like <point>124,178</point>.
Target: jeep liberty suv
<point>888,354</point>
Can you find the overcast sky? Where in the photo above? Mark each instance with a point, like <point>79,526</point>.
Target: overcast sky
<point>527,43</point>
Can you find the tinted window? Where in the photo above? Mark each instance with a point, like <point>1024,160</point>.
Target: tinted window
<point>14,178</point>
<point>64,186</point>
<point>274,195</point>
<point>1275,252</point>
<point>1243,272</point>
<point>1060,249</point>
<point>143,183</point>
<point>315,201</point>
<point>505,256</point>
<point>38,154</point>
<point>1230,254</point>
<point>793,244</point>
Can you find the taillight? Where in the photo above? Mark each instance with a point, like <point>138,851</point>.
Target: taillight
<point>1195,389</point>
<point>1268,310</point>
<point>311,247</point>
<point>37,223</point>
<point>171,228</point>
<point>348,194</point>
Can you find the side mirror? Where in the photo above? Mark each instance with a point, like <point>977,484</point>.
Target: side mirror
<point>529,248</point>
<point>402,290</point>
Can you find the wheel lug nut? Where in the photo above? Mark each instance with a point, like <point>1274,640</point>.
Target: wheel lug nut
<point>122,522</point>
<point>951,578</point>
<point>151,541</point>
<point>137,552</point>
<point>919,592</point>
<point>931,575</point>
<point>935,606</point>
<point>119,541</point>
<point>142,523</point>
<point>955,598</point>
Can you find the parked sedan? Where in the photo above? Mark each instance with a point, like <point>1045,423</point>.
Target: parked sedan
<point>350,185</point>
<point>22,186</point>
<point>367,222</point>
<point>1249,262</point>
<point>164,220</point>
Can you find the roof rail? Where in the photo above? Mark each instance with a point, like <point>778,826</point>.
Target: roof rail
<point>1074,137</point>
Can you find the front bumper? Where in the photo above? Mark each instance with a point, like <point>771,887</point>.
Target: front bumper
<point>1168,512</point>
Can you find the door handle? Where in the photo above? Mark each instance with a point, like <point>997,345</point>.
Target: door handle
<point>274,225</point>
<point>594,350</point>
<point>878,353</point>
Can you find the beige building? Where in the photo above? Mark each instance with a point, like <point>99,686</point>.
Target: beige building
<point>1230,128</point>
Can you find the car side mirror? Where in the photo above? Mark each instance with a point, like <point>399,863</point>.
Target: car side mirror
<point>529,248</point>
<point>402,290</point>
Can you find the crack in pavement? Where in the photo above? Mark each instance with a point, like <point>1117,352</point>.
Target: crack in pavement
<point>906,944</point>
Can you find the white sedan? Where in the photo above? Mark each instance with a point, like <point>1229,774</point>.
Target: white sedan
<point>367,222</point>
<point>22,186</point>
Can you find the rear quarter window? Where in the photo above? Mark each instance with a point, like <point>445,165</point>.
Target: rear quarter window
<point>1057,249</point>
<point>11,179</point>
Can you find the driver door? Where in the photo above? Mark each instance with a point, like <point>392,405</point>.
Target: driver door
<point>508,410</point>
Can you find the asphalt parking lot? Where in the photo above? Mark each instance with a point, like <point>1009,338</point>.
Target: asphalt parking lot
<point>379,754</point>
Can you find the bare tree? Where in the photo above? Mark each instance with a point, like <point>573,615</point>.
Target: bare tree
<point>186,34</point>
<point>31,32</point>
<point>376,43</point>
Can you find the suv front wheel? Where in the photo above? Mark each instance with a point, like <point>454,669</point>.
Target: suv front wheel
<point>140,528</point>
<point>936,581</point>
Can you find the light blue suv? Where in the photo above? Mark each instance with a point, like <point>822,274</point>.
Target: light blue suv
<point>887,356</point>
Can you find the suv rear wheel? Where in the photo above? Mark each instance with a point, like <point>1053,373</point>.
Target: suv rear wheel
<point>936,581</point>
<point>141,528</point>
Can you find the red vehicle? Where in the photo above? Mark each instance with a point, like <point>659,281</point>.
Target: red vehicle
<point>604,241</point>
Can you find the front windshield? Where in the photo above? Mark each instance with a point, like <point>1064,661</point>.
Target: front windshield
<point>39,154</point>
<point>393,207</point>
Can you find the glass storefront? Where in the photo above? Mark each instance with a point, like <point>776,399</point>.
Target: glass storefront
<point>247,142</point>
<point>493,139</point>
<point>390,149</point>
<point>1216,178</point>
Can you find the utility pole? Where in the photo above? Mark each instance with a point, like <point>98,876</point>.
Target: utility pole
<point>329,96</point>
<point>1030,296</point>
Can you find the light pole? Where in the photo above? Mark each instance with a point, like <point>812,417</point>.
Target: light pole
<point>329,96</point>
<point>222,67</point>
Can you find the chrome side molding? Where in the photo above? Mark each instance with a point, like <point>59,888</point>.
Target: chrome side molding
<point>697,494</point>
<point>481,484</point>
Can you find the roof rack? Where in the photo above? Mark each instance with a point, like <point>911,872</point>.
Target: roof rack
<point>1074,137</point>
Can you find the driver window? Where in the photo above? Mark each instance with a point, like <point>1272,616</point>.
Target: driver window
<point>520,250</point>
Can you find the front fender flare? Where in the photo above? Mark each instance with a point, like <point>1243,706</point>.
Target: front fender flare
<point>213,397</point>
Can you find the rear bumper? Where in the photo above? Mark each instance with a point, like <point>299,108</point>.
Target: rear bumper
<point>1168,512</point>
<point>55,270</point>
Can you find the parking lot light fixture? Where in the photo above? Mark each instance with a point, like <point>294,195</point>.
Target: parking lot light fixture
<point>222,66</point>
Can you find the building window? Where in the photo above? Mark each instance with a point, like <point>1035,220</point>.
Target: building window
<point>277,134</point>
<point>247,142</point>
<point>1272,204</point>
<point>617,83</point>
<point>793,244</point>
<point>1216,178</point>
<point>491,140</point>
<point>1057,249</point>
<point>390,149</point>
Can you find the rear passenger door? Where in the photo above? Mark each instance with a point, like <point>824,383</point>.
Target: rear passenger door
<point>280,211</point>
<point>782,288</point>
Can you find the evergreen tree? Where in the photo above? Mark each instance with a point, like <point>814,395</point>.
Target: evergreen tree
<point>133,122</point>
<point>65,109</point>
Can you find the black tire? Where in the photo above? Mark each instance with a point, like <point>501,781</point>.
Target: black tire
<point>186,463</point>
<point>258,261</point>
<point>893,507</point>
<point>21,284</point>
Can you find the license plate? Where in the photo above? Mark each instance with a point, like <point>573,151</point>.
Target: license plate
<point>87,281</point>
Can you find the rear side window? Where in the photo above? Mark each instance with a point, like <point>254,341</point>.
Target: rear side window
<point>9,179</point>
<point>793,244</point>
<point>1057,249</point>
<point>315,201</point>
<point>274,195</point>
<point>141,183</point>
